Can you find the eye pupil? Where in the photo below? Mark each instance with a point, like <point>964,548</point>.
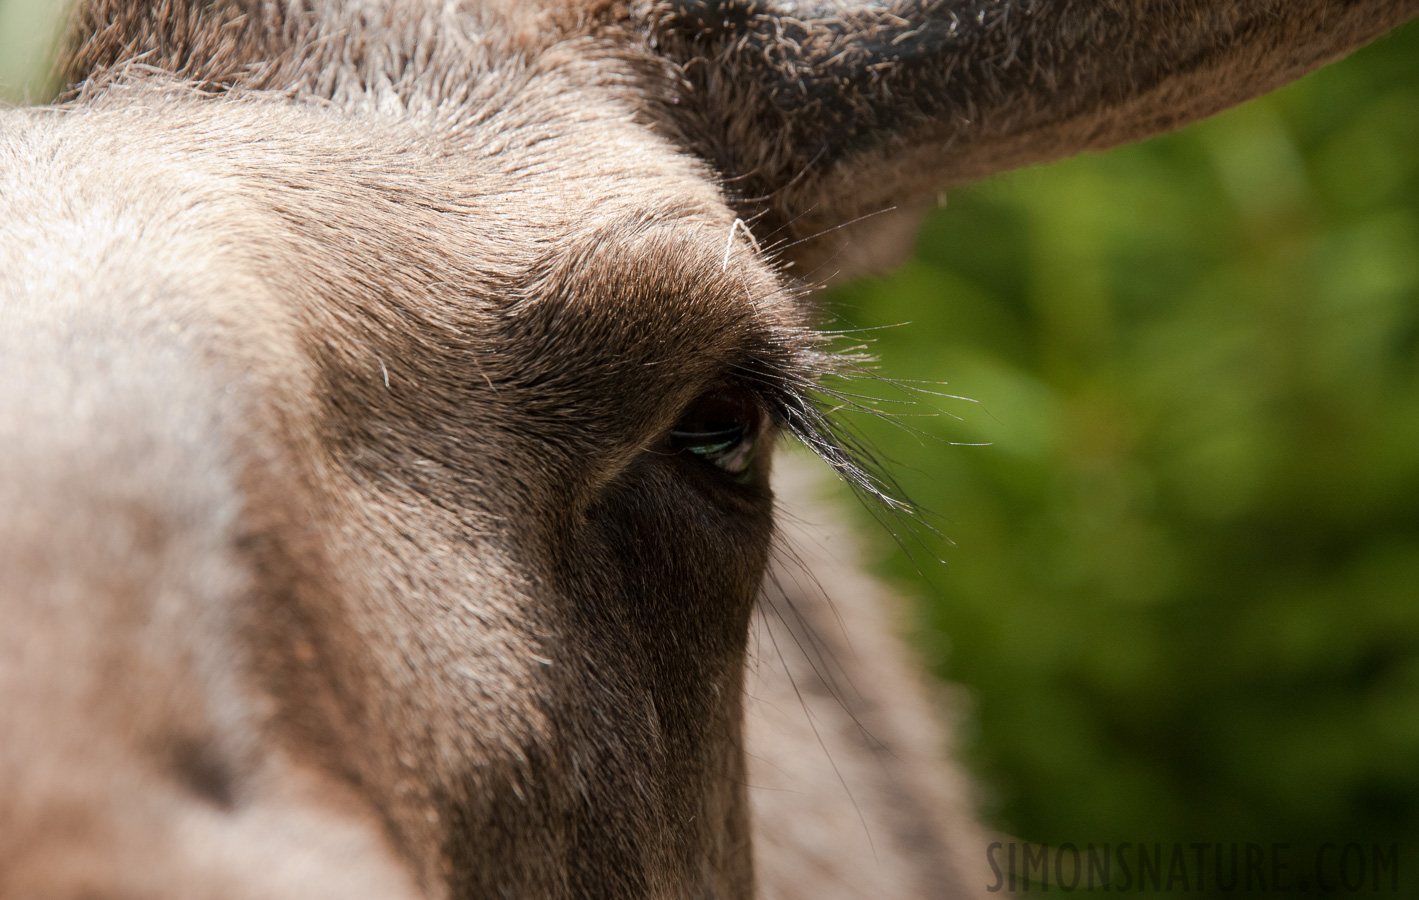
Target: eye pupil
<point>719,428</point>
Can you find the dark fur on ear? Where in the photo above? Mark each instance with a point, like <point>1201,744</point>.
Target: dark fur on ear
<point>839,108</point>
<point>328,49</point>
<point>215,42</point>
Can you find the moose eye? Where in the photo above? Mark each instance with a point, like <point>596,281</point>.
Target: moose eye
<point>722,428</point>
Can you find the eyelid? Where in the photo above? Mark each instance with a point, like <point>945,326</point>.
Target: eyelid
<point>730,438</point>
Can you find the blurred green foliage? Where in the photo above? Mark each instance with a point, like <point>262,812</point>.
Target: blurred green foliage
<point>1182,580</point>
<point>29,32</point>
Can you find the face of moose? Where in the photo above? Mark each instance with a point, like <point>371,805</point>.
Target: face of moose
<point>387,392</point>
<point>373,495</point>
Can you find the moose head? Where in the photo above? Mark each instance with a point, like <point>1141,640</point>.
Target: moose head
<point>388,393</point>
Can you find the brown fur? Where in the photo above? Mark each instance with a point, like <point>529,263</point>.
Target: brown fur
<point>343,551</point>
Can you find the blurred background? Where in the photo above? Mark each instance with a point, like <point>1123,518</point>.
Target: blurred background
<point>1181,583</point>
<point>1176,551</point>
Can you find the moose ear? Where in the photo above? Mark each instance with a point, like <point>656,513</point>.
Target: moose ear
<point>820,112</point>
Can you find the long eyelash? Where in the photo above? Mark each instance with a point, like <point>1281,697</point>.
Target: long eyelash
<point>809,395</point>
<point>802,403</point>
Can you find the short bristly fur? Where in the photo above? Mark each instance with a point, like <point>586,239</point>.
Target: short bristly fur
<point>347,547</point>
